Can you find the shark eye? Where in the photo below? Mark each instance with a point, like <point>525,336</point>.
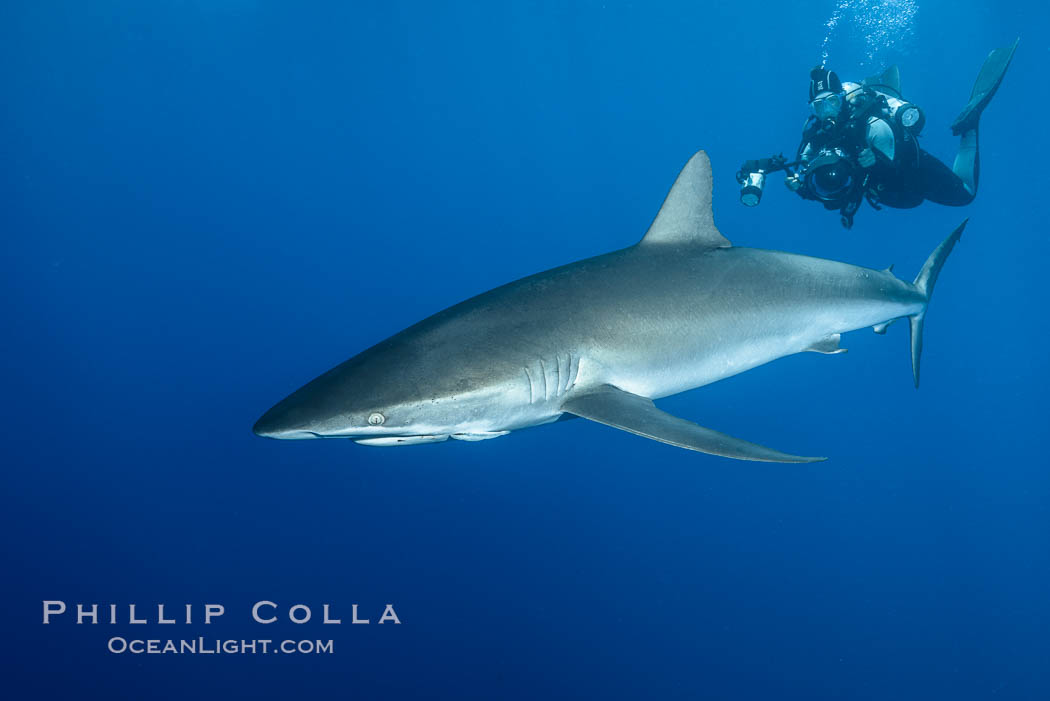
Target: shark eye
<point>376,419</point>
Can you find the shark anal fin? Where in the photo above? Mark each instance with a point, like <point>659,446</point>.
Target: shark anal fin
<point>629,412</point>
<point>881,328</point>
<point>828,345</point>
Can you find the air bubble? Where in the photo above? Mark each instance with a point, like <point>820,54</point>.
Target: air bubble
<point>882,25</point>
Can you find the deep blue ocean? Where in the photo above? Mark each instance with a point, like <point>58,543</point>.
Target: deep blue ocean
<point>207,204</point>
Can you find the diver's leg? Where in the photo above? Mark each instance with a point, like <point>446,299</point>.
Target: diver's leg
<point>967,166</point>
<point>901,192</point>
<point>949,186</point>
<point>984,88</point>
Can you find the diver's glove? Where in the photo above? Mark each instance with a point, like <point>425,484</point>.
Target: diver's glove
<point>866,158</point>
<point>793,182</point>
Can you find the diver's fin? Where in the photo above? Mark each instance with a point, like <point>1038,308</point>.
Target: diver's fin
<point>924,283</point>
<point>613,407</point>
<point>828,345</point>
<point>686,217</point>
<point>988,81</point>
<point>889,78</point>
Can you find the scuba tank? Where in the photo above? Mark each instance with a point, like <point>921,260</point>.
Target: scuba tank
<point>887,86</point>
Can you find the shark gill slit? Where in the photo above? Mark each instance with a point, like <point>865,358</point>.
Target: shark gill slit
<point>557,381</point>
<point>532,386</point>
<point>558,378</point>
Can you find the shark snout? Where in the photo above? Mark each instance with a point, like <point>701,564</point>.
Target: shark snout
<point>279,423</point>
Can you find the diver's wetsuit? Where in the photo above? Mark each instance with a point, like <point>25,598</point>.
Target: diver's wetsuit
<point>903,175</point>
<point>930,179</point>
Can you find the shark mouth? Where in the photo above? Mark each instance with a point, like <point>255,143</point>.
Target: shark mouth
<point>386,441</point>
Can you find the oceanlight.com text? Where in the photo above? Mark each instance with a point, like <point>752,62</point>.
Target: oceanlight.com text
<point>213,646</point>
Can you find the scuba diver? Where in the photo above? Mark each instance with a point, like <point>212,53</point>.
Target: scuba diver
<point>861,142</point>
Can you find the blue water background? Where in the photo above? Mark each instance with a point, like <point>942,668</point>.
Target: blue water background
<point>206,204</point>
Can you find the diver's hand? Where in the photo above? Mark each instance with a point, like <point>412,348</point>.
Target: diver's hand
<point>793,182</point>
<point>866,158</point>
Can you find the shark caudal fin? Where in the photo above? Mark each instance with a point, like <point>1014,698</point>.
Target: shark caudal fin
<point>924,283</point>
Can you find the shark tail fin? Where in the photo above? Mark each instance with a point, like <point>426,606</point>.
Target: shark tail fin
<point>924,283</point>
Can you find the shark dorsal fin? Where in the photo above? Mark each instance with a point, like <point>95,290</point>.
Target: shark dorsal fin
<point>686,217</point>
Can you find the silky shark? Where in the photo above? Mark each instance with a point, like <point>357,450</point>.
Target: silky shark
<point>602,338</point>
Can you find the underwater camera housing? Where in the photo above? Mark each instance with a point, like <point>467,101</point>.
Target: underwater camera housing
<point>752,177</point>
<point>829,176</point>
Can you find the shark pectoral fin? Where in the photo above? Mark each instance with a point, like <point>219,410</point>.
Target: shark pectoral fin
<point>630,412</point>
<point>829,345</point>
